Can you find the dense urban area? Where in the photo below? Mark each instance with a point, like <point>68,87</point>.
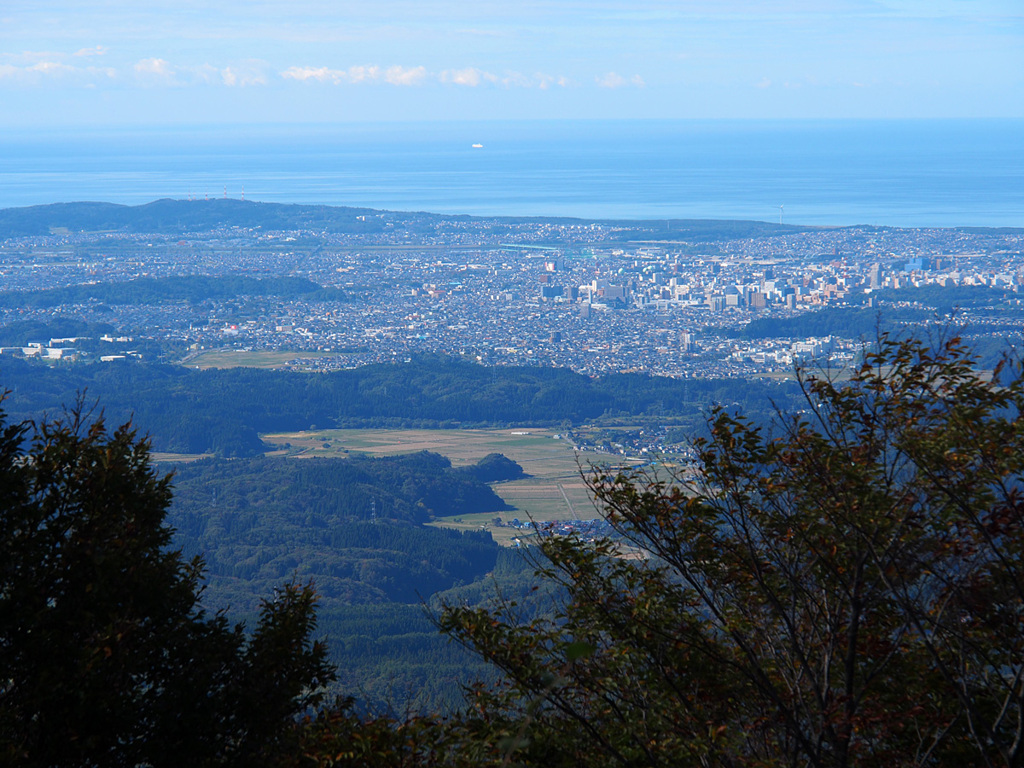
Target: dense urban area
<point>592,297</point>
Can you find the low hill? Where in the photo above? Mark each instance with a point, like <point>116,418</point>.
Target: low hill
<point>183,216</point>
<point>223,411</point>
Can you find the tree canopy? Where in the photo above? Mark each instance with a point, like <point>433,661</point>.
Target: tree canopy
<point>106,655</point>
<point>845,588</point>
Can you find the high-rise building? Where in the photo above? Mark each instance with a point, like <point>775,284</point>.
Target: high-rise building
<point>875,276</point>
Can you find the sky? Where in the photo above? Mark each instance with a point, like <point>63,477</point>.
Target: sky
<point>107,63</point>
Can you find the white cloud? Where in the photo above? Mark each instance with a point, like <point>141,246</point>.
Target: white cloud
<point>98,50</point>
<point>153,67</point>
<point>540,80</point>
<point>320,74</point>
<point>244,74</point>
<point>611,80</point>
<point>763,83</point>
<point>359,74</point>
<point>615,80</point>
<point>405,76</point>
<point>39,68</point>
<point>51,68</point>
<point>156,70</point>
<point>362,73</point>
<point>519,80</point>
<point>47,71</point>
<point>470,76</point>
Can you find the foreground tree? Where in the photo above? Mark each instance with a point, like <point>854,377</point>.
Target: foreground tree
<point>844,589</point>
<point>106,657</point>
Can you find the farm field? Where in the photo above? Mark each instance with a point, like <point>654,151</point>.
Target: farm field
<point>240,358</point>
<point>160,457</point>
<point>554,490</point>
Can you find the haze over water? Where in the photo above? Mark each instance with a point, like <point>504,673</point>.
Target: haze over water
<point>897,173</point>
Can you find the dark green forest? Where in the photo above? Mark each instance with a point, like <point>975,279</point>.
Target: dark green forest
<point>224,411</point>
<point>355,528</point>
<point>258,520</point>
<point>898,309</point>
<point>18,332</point>
<point>152,290</point>
<point>846,322</point>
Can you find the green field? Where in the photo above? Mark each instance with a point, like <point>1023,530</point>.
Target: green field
<point>177,458</point>
<point>554,491</point>
<point>240,358</point>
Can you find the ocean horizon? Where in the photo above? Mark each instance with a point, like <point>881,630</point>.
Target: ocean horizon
<point>905,173</point>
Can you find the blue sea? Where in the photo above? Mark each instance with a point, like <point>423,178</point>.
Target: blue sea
<point>899,173</point>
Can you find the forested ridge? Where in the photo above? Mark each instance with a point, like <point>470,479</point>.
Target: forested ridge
<point>187,216</point>
<point>224,411</point>
<point>156,290</point>
<point>897,308</point>
<point>355,528</point>
<point>354,525</point>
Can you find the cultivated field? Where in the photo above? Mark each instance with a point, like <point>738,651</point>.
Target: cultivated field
<point>177,458</point>
<point>240,358</point>
<point>554,490</point>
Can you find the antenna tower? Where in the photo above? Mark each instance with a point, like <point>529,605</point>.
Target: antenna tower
<point>780,213</point>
